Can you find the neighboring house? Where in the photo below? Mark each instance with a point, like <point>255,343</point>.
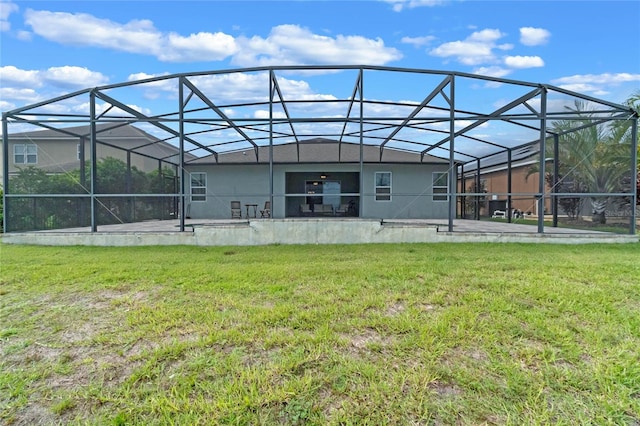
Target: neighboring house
<point>494,178</point>
<point>316,177</point>
<point>60,151</point>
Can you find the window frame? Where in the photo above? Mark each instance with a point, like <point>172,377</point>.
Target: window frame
<point>382,192</point>
<point>199,197</point>
<point>25,154</point>
<point>436,190</point>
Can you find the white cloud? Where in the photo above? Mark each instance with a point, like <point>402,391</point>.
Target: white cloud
<point>243,87</point>
<point>606,78</point>
<point>466,52</point>
<point>233,87</point>
<point>460,124</point>
<point>195,47</point>
<point>264,114</point>
<point>418,41</point>
<point>21,78</point>
<point>70,76</point>
<point>6,106</point>
<point>25,95</point>
<point>24,35</point>
<point>596,84</point>
<point>474,50</point>
<point>108,109</point>
<point>585,88</point>
<point>154,89</point>
<point>530,36</point>
<point>165,85</point>
<point>285,45</point>
<point>137,36</point>
<point>399,5</point>
<point>485,36</point>
<point>31,86</point>
<point>523,61</point>
<point>493,71</point>
<point>292,44</point>
<point>6,9</point>
<point>240,87</point>
<point>142,76</point>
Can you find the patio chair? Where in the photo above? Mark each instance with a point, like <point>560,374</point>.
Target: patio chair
<point>498,214</point>
<point>305,210</point>
<point>236,210</point>
<point>266,212</point>
<point>342,210</point>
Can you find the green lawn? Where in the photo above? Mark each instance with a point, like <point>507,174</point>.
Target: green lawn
<point>405,334</point>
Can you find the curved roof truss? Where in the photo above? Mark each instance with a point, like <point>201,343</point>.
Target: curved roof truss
<point>456,116</point>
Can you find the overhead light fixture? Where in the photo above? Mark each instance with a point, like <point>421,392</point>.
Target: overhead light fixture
<point>323,176</point>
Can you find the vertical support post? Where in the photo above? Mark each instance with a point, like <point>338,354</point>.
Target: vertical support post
<point>556,176</point>
<point>463,199</point>
<point>161,190</point>
<point>5,172</point>
<point>162,201</point>
<point>94,161</point>
<point>509,183</point>
<point>634,173</point>
<point>83,162</point>
<point>175,182</point>
<point>127,175</point>
<point>360,190</point>
<point>271,79</point>
<point>183,198</point>
<point>129,201</point>
<point>477,197</point>
<point>452,176</point>
<point>543,155</point>
<point>82,210</point>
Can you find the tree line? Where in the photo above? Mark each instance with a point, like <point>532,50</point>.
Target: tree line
<point>112,177</point>
<point>594,159</point>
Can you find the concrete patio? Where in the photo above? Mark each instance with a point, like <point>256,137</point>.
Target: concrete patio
<point>241,232</point>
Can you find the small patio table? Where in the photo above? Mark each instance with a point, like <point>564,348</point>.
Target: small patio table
<point>252,210</point>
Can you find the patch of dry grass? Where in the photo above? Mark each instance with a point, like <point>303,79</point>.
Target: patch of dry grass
<point>363,334</point>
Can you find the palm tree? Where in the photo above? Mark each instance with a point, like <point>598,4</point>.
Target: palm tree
<point>594,156</point>
<point>621,133</point>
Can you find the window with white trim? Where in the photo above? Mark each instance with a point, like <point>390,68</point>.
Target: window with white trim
<point>198,186</point>
<point>25,154</point>
<point>440,186</point>
<point>383,186</point>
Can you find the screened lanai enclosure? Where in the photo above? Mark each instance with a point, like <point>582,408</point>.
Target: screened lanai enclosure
<point>300,143</point>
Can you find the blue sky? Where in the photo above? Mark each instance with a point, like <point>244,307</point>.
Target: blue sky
<point>49,48</point>
<point>52,47</point>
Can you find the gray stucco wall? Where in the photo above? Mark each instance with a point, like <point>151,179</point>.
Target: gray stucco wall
<point>411,188</point>
<point>410,199</point>
<point>225,183</point>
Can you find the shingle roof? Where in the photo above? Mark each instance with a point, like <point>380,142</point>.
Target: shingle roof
<point>127,137</point>
<point>319,150</point>
<point>519,156</point>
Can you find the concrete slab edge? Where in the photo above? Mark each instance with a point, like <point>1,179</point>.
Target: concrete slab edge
<point>273,232</point>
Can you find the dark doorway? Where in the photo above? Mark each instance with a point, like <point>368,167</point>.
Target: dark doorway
<point>322,194</point>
